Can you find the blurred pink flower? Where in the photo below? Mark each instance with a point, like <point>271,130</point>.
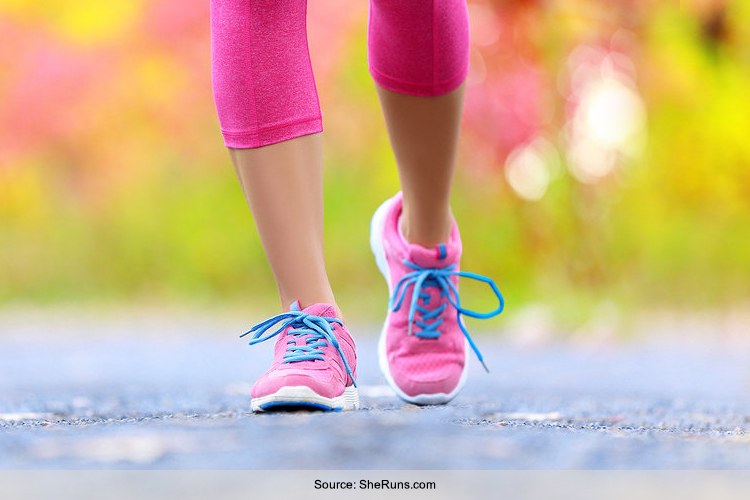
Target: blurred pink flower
<point>45,89</point>
<point>505,109</point>
<point>172,24</point>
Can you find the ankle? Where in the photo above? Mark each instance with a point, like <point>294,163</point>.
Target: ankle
<point>426,231</point>
<point>306,300</point>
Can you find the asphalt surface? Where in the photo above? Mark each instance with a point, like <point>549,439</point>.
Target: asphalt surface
<point>124,395</point>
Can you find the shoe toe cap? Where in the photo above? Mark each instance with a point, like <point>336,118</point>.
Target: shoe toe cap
<point>417,377</point>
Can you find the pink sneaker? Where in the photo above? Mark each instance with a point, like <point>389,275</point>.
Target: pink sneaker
<point>423,344</point>
<point>315,362</point>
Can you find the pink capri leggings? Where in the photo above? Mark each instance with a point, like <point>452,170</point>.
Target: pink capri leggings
<point>262,78</point>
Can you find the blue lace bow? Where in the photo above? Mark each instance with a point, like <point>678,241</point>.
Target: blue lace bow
<point>425,277</point>
<point>316,330</point>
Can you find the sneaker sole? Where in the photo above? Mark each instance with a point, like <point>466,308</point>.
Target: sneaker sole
<point>303,398</point>
<point>376,245</point>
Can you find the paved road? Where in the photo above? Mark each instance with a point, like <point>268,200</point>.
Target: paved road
<point>132,399</point>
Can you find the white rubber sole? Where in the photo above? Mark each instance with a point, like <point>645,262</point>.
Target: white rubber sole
<point>376,245</point>
<point>303,398</point>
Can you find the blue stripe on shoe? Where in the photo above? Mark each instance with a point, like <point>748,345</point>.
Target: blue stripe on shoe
<point>442,251</point>
<point>302,405</point>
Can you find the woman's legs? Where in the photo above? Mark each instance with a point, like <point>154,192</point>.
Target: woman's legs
<point>418,56</point>
<point>270,118</point>
<point>266,101</point>
<point>283,186</point>
<point>424,136</point>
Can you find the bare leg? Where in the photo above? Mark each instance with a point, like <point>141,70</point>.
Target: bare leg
<point>424,135</point>
<point>283,186</point>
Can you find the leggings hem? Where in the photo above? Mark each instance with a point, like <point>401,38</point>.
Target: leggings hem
<point>418,89</point>
<point>272,134</point>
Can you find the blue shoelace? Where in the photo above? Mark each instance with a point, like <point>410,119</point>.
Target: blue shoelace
<point>423,277</point>
<point>318,331</point>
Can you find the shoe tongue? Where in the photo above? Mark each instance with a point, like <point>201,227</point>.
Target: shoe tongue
<point>441,255</point>
<point>325,310</point>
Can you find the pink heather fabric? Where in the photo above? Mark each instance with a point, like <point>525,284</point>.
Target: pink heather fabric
<point>419,365</point>
<point>418,47</point>
<point>328,378</point>
<point>263,81</point>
